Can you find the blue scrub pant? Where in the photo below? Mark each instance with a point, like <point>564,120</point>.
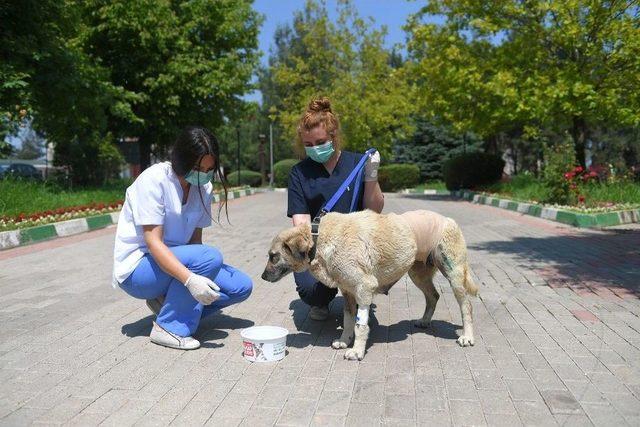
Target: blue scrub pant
<point>181,313</point>
<point>312,291</point>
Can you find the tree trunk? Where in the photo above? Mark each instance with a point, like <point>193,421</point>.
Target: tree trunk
<point>579,135</point>
<point>145,152</point>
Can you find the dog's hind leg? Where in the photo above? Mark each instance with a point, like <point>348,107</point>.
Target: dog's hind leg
<point>348,323</point>
<point>421,275</point>
<point>452,262</point>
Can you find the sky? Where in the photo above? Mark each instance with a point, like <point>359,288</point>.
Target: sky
<point>392,13</point>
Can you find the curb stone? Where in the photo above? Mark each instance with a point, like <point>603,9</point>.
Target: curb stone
<point>430,192</point>
<point>576,219</point>
<point>13,238</point>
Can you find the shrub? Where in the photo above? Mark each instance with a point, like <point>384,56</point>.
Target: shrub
<point>281,172</point>
<point>431,145</point>
<point>398,176</point>
<point>247,177</point>
<point>472,170</point>
<point>559,159</point>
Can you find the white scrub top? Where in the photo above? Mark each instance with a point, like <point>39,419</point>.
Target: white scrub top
<point>155,198</point>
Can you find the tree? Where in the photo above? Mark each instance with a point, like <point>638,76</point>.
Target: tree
<point>531,65</point>
<point>431,145</point>
<point>187,61</point>
<point>49,80</point>
<point>83,70</point>
<point>345,61</point>
<point>6,149</point>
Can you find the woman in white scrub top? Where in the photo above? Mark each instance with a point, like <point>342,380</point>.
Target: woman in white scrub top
<point>159,255</point>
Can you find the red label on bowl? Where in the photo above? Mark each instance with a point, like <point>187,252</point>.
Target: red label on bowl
<point>248,349</point>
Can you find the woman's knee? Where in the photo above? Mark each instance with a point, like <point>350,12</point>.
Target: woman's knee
<point>244,287</point>
<point>208,260</point>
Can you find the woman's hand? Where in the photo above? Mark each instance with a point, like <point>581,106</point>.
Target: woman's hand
<point>371,167</point>
<point>202,289</point>
<point>373,198</point>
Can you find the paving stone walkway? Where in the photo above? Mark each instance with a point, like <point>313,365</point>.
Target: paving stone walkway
<point>557,336</point>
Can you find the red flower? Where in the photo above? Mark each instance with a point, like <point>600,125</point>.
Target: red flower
<point>568,175</point>
<point>578,169</point>
<point>581,198</point>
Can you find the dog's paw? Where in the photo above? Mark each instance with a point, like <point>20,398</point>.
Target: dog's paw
<point>338,344</point>
<point>421,323</point>
<point>353,354</point>
<point>465,341</point>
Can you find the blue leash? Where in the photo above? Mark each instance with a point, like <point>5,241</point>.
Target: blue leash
<point>356,174</point>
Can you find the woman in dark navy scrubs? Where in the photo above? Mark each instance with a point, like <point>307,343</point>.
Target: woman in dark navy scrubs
<point>315,179</point>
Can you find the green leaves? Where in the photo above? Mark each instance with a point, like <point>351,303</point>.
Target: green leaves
<point>497,66</point>
<point>144,68</point>
<point>346,61</point>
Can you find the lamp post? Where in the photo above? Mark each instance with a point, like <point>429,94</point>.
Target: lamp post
<point>270,154</point>
<point>261,138</point>
<point>238,152</point>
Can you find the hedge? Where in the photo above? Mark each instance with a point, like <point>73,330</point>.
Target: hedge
<point>247,177</point>
<point>281,172</point>
<point>398,176</point>
<point>472,170</point>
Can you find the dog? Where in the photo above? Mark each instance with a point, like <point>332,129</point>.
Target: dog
<point>365,253</point>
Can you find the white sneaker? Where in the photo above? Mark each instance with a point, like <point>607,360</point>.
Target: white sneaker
<point>163,337</point>
<point>319,313</point>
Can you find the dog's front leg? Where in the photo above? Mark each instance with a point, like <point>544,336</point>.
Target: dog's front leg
<point>348,322</point>
<point>364,299</point>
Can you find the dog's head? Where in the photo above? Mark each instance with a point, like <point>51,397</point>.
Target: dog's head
<point>289,252</point>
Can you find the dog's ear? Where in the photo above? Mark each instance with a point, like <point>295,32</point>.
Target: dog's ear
<point>299,244</point>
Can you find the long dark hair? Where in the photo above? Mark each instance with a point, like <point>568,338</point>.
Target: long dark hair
<point>193,143</point>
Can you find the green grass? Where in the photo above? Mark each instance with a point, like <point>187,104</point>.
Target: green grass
<point>431,185</point>
<point>521,187</point>
<point>528,188</point>
<point>29,197</point>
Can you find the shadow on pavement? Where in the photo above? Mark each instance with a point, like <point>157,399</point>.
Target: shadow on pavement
<point>211,328</point>
<point>609,259</point>
<point>309,331</point>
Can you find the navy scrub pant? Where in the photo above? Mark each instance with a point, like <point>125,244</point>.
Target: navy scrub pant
<point>181,313</point>
<point>312,291</point>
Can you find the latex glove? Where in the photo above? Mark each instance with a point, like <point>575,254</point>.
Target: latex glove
<point>202,289</point>
<point>371,167</point>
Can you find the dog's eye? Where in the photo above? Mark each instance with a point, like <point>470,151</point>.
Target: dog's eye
<point>274,258</point>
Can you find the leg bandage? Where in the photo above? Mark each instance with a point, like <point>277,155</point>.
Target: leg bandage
<point>362,318</point>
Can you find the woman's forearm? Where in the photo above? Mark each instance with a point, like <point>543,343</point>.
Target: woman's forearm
<point>373,198</point>
<point>161,253</point>
<point>168,262</point>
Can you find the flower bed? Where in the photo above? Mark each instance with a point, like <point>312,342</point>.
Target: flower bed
<point>56,215</point>
<point>63,214</point>
<point>602,207</point>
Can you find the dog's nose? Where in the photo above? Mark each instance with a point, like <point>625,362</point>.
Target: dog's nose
<point>264,275</point>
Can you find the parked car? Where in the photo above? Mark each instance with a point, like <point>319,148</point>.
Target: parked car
<point>20,170</point>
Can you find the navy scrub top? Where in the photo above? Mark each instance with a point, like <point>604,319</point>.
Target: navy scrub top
<point>311,186</point>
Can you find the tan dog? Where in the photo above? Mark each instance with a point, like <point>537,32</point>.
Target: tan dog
<point>365,253</point>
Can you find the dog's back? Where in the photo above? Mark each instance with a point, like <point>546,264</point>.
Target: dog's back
<point>427,228</point>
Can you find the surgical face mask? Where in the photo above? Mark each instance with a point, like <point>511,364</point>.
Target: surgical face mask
<point>320,153</point>
<point>199,178</point>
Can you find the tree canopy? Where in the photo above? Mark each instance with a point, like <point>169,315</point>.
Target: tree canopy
<point>346,61</point>
<point>492,67</point>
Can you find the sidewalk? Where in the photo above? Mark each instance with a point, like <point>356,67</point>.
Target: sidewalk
<point>557,336</point>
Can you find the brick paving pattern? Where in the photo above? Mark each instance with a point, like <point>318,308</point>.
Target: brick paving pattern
<point>557,336</point>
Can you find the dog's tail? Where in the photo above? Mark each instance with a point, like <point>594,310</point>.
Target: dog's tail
<point>469,285</point>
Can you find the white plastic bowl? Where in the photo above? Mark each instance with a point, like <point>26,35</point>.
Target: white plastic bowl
<point>264,343</point>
